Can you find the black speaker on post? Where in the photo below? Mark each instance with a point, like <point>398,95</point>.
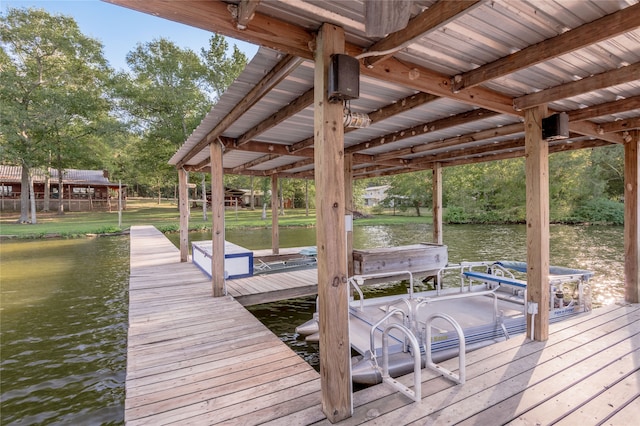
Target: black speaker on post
<point>555,127</point>
<point>344,78</point>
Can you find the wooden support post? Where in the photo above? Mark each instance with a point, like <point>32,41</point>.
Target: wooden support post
<point>335,351</point>
<point>275,234</point>
<point>348,209</point>
<point>537,182</point>
<point>183,197</point>
<point>217,218</point>
<point>436,195</point>
<point>631,212</point>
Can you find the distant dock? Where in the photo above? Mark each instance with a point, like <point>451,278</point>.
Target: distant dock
<point>194,359</point>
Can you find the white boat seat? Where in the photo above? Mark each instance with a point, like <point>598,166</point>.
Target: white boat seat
<point>498,279</point>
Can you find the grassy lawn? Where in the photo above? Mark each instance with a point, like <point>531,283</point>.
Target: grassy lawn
<point>166,218</point>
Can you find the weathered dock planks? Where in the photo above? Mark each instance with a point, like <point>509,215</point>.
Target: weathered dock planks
<point>587,373</point>
<point>195,359</point>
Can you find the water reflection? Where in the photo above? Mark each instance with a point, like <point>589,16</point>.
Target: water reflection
<point>64,325</point>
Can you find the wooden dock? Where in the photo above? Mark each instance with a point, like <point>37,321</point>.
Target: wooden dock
<point>587,373</point>
<point>269,288</point>
<point>194,359</point>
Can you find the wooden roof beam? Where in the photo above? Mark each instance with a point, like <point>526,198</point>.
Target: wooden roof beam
<point>620,125</point>
<point>297,105</point>
<point>283,68</point>
<point>214,15</point>
<point>373,171</point>
<point>357,159</point>
<point>515,152</point>
<point>380,114</point>
<point>296,165</point>
<point>253,163</point>
<point>601,29</point>
<point>429,20</point>
<point>371,159</point>
<point>592,129</point>
<point>451,142</point>
<point>608,108</point>
<point>578,87</point>
<point>519,152</point>
<point>245,11</point>
<point>465,117</point>
<point>425,80</point>
<point>272,148</point>
<point>496,148</point>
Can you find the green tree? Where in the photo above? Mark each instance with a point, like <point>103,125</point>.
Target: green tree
<point>608,166</point>
<point>410,190</point>
<point>52,80</point>
<point>165,96</point>
<point>221,69</point>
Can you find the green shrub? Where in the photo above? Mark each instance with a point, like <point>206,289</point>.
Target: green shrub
<point>377,209</point>
<point>599,210</point>
<point>456,215</point>
<point>172,227</point>
<point>109,230</point>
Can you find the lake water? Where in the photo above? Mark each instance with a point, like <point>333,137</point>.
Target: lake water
<point>64,307</point>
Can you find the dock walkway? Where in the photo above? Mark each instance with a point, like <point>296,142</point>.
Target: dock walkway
<point>194,359</point>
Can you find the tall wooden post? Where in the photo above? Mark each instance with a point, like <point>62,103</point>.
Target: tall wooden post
<point>217,218</point>
<point>348,209</point>
<point>537,182</point>
<point>183,203</point>
<point>275,234</point>
<point>631,212</point>
<point>335,352</point>
<point>437,203</point>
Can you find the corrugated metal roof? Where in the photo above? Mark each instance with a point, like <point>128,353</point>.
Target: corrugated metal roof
<point>486,32</point>
<point>10,174</point>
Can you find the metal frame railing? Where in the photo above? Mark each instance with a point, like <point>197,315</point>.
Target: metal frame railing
<point>461,376</point>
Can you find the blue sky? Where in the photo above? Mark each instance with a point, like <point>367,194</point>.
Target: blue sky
<point>120,29</point>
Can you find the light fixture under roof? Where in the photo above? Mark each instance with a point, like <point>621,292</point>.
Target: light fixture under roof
<point>354,120</point>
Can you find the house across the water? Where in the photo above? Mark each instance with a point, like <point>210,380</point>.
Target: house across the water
<point>83,190</point>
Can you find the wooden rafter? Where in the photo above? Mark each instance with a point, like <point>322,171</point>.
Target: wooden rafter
<point>607,108</point>
<point>214,16</point>
<point>253,163</point>
<point>286,65</point>
<point>516,152</point>
<point>279,116</point>
<point>380,114</point>
<point>272,148</point>
<point>245,13</point>
<point>422,129</point>
<point>452,142</point>
<point>601,29</point>
<point>589,128</point>
<point>578,87</point>
<point>425,80</point>
<point>497,147</point>
<point>620,125</point>
<point>429,20</point>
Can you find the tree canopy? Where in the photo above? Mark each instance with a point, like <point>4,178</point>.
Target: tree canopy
<point>52,89</point>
